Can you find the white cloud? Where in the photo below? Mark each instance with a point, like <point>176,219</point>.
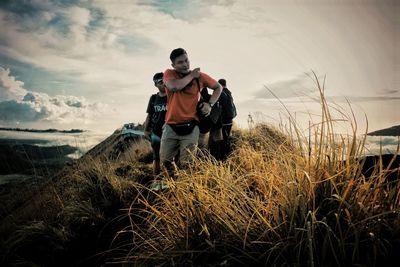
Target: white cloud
<point>22,105</point>
<point>10,88</point>
<point>78,15</point>
<point>293,87</point>
<point>131,37</point>
<point>133,41</point>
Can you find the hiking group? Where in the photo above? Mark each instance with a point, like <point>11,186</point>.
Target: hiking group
<point>182,113</point>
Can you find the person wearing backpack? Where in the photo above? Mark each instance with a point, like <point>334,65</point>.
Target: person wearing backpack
<point>228,113</point>
<point>181,131</point>
<point>209,123</point>
<point>156,110</point>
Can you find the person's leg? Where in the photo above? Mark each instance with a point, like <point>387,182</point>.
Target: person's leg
<point>203,141</point>
<point>155,144</point>
<point>226,131</point>
<point>156,167</point>
<point>168,149</point>
<point>226,145</point>
<point>215,143</point>
<point>187,146</point>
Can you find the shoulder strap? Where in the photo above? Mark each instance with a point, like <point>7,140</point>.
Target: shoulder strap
<point>198,84</point>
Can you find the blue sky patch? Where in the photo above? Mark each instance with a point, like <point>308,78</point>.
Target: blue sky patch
<point>61,23</point>
<point>97,19</point>
<point>136,44</point>
<point>20,7</point>
<point>38,80</point>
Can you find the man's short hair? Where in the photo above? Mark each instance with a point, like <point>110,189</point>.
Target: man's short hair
<point>222,82</point>
<point>158,76</point>
<point>176,53</point>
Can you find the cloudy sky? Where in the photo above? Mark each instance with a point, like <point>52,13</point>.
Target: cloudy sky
<point>89,63</point>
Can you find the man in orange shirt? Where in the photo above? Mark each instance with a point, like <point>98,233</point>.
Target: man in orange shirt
<point>180,132</point>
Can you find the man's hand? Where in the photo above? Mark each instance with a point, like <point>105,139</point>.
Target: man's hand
<point>147,135</point>
<point>195,73</point>
<point>205,109</point>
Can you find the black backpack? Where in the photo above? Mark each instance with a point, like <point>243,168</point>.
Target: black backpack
<point>206,123</point>
<point>228,107</point>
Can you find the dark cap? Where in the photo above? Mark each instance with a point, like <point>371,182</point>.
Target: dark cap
<point>158,76</point>
<point>222,82</point>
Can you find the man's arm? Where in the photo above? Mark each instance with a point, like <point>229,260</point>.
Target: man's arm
<point>206,109</point>
<point>147,122</point>
<point>216,93</point>
<point>147,128</point>
<point>179,84</point>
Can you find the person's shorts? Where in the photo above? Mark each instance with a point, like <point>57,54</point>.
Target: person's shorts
<point>155,144</point>
<point>172,144</point>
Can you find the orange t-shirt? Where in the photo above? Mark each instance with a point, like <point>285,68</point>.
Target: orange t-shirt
<point>182,104</point>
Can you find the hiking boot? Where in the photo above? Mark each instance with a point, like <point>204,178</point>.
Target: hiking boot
<point>159,185</point>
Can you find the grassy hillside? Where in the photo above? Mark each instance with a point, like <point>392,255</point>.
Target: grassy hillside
<point>61,222</point>
<point>280,199</point>
<point>270,203</point>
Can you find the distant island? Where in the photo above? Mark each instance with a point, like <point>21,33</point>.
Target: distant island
<point>392,131</point>
<point>42,131</point>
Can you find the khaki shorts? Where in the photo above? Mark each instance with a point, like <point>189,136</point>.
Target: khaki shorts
<point>171,144</point>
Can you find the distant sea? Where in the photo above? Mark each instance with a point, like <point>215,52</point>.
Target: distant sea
<point>82,141</point>
<point>376,145</point>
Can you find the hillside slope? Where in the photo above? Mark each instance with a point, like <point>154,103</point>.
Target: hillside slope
<point>391,131</point>
<point>59,222</point>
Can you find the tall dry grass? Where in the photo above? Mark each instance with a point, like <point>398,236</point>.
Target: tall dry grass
<point>281,199</point>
